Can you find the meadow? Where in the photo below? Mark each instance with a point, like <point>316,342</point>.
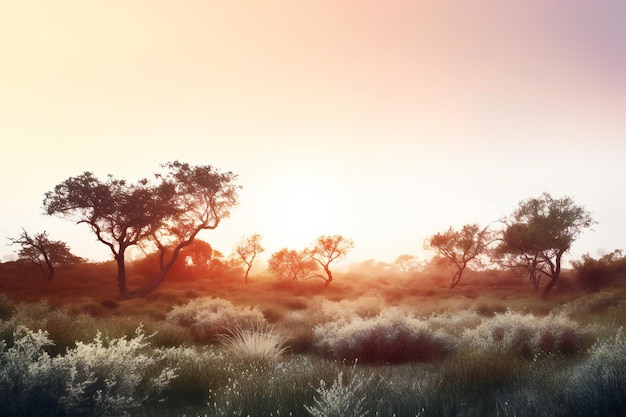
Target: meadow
<point>377,344</point>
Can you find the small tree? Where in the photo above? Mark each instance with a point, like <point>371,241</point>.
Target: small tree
<point>460,247</point>
<point>165,214</point>
<point>406,263</point>
<point>539,232</point>
<point>45,253</point>
<point>328,249</point>
<point>291,264</point>
<point>248,249</point>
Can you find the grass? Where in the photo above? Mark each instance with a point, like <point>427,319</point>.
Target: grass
<point>366,345</point>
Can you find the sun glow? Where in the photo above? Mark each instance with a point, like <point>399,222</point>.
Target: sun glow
<point>305,208</point>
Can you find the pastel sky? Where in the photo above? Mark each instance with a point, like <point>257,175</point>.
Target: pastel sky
<point>385,121</point>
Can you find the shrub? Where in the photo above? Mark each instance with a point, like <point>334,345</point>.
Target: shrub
<point>527,334</point>
<point>98,378</point>
<point>208,318</point>
<point>341,399</point>
<point>598,385</point>
<point>392,336</point>
<point>260,344</point>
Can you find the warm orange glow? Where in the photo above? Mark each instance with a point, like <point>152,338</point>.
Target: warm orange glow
<point>303,208</point>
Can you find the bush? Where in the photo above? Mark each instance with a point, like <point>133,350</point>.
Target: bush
<point>99,378</point>
<point>527,334</point>
<point>392,336</point>
<point>598,385</point>
<point>259,344</point>
<point>208,318</point>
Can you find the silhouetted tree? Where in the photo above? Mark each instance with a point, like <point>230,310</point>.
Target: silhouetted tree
<point>460,247</point>
<point>328,249</point>
<point>45,253</point>
<point>165,213</point>
<point>291,264</point>
<point>247,249</point>
<point>538,233</point>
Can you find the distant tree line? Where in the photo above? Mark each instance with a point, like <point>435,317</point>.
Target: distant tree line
<point>163,215</point>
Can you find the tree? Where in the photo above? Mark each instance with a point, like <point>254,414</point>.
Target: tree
<point>328,249</point>
<point>460,247</point>
<point>538,233</point>
<point>165,213</point>
<point>291,264</point>
<point>247,249</point>
<point>406,263</point>
<point>595,273</point>
<point>45,253</point>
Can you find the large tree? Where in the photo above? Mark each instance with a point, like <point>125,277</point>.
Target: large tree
<point>45,253</point>
<point>166,212</point>
<point>328,249</point>
<point>247,249</point>
<point>538,233</point>
<point>458,248</point>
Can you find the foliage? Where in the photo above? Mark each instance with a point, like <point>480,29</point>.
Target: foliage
<point>460,247</point>
<point>98,378</point>
<point>341,399</point>
<point>328,249</point>
<point>259,344</point>
<point>291,264</point>
<point>391,337</point>
<point>166,213</point>
<point>593,274</point>
<point>537,235</point>
<point>248,249</point>
<point>208,318</point>
<point>45,253</point>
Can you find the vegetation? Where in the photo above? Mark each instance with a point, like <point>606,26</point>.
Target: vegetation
<point>247,250</point>
<point>385,340</point>
<point>45,253</point>
<point>460,247</point>
<point>539,233</point>
<point>166,213</point>
<point>378,344</point>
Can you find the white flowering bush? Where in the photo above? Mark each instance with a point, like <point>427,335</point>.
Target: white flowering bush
<point>392,336</point>
<point>366,306</point>
<point>208,318</point>
<point>341,399</point>
<point>527,334</point>
<point>101,378</point>
<point>597,386</point>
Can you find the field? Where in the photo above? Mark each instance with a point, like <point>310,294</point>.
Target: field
<point>381,344</point>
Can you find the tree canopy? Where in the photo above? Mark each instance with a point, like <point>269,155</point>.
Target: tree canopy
<point>328,249</point>
<point>538,233</point>
<point>45,253</point>
<point>460,247</point>
<point>166,212</point>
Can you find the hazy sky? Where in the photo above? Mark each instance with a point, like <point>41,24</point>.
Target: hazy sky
<point>386,121</point>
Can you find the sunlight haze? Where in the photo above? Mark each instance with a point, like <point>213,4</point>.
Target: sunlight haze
<point>383,121</point>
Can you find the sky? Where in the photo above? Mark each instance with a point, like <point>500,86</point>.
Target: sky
<point>384,121</point>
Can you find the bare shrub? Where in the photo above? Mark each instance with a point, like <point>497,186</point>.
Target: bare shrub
<point>210,317</point>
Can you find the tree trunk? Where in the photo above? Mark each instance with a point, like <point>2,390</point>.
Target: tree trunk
<point>329,274</point>
<point>248,272</point>
<point>555,276</point>
<point>121,276</point>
